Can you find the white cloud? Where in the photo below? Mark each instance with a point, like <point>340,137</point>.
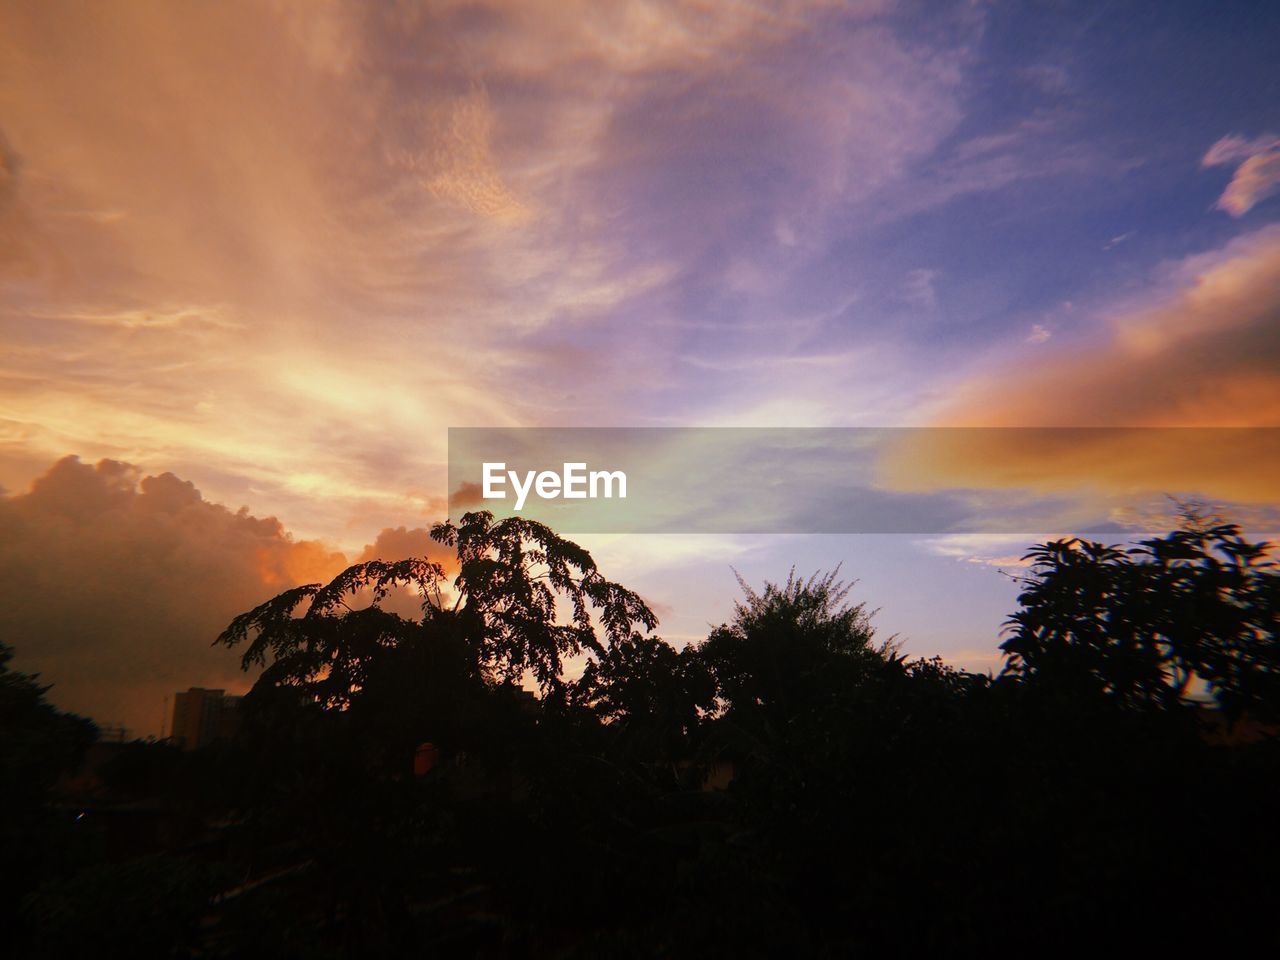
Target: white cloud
<point>989,550</point>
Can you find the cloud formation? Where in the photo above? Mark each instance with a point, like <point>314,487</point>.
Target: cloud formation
<point>1202,349</point>
<point>1203,352</point>
<point>278,248</point>
<point>115,584</point>
<point>1257,175</point>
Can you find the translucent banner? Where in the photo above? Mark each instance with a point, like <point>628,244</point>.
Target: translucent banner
<point>862,480</point>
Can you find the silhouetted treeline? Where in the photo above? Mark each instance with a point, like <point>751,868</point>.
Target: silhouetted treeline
<point>791,786</point>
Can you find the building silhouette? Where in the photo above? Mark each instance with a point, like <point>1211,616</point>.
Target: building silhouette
<point>202,716</point>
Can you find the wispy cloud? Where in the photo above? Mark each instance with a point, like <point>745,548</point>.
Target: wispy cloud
<point>1204,332</point>
<point>1257,174</point>
<point>989,550</point>
<point>1200,351</point>
<point>390,219</point>
<point>918,289</point>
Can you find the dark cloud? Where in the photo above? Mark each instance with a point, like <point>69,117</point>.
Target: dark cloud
<point>113,585</point>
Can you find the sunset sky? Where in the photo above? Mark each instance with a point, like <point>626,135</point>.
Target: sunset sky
<point>261,256</point>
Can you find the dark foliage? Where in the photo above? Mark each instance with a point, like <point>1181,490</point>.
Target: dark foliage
<point>789,786</point>
<point>1143,626</point>
<point>38,745</point>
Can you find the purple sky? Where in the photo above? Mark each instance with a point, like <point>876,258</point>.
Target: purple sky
<point>276,250</point>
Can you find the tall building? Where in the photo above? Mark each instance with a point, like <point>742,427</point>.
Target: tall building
<point>201,716</point>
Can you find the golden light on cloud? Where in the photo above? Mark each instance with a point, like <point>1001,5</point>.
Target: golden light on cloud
<point>1227,464</point>
<point>280,249</point>
<point>126,579</point>
<point>1179,362</point>
<point>464,170</point>
<point>1162,404</point>
<point>320,256</point>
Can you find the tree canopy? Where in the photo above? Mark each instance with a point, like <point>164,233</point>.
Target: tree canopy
<point>791,772</point>
<point>522,599</point>
<point>1152,626</point>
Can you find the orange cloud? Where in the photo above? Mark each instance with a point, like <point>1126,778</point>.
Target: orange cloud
<point>1206,356</point>
<point>401,543</point>
<point>467,495</point>
<point>1239,465</point>
<point>280,247</point>
<point>113,586</point>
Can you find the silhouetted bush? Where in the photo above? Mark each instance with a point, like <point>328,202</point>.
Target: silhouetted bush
<point>789,786</point>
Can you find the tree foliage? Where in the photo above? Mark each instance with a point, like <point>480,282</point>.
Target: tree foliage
<point>515,576</point>
<point>328,651</point>
<point>789,645</point>
<point>666,788</point>
<point>1145,626</point>
<point>523,599</point>
<point>38,744</point>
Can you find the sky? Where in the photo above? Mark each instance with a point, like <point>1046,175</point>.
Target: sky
<point>257,258</point>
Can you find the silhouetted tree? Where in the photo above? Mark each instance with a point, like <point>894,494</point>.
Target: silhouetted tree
<point>789,647</point>
<point>350,688</point>
<point>581,824</point>
<point>1143,626</point>
<point>38,744</point>
<point>652,695</point>
<point>504,604</point>
<point>513,576</point>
